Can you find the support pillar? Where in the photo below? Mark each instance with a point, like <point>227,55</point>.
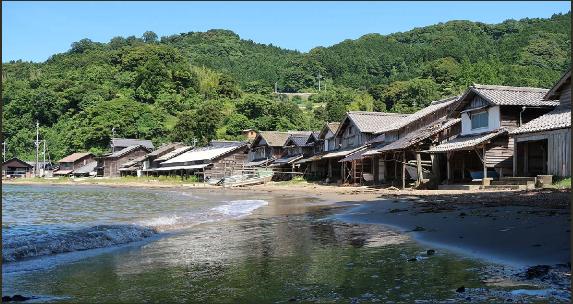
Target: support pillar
<point>419,168</point>
<point>404,170</point>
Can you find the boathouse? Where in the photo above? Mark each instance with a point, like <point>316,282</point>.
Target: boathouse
<point>483,147</point>
<point>136,166</point>
<point>397,152</point>
<point>72,162</point>
<point>109,165</point>
<point>543,145</point>
<point>354,135</point>
<point>15,168</point>
<point>269,146</point>
<point>118,144</point>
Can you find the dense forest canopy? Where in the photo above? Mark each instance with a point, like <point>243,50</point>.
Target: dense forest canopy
<point>213,84</point>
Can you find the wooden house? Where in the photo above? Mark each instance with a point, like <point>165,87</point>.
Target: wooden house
<point>109,165</point>
<point>543,145</point>
<point>295,148</point>
<point>354,135</point>
<point>213,161</point>
<point>74,161</point>
<point>314,166</point>
<point>16,168</point>
<point>483,147</point>
<point>396,153</point>
<point>249,134</point>
<point>268,146</point>
<point>136,166</point>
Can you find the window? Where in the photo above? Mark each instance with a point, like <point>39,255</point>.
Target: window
<point>479,120</point>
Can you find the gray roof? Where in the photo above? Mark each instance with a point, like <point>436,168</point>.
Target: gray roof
<point>171,154</point>
<point>419,135</point>
<point>559,118</point>
<point>126,142</point>
<point>298,140</point>
<point>467,142</point>
<point>74,157</point>
<point>226,143</point>
<point>277,138</point>
<point>165,149</point>
<point>87,168</point>
<point>374,122</point>
<point>127,150</point>
<point>508,96</point>
<point>433,107</point>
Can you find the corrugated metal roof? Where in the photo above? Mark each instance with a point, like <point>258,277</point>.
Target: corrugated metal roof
<point>74,157</point>
<point>374,122</point>
<point>466,142</point>
<point>342,153</point>
<point>200,154</point>
<point>126,142</point>
<point>559,118</point>
<point>188,167</point>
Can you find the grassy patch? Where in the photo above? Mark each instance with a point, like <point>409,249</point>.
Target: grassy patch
<point>562,183</point>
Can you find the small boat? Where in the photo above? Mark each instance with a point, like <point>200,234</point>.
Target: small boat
<point>259,177</point>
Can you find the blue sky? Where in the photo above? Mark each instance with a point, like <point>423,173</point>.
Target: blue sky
<point>36,30</point>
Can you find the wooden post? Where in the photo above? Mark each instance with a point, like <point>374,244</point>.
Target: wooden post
<point>526,159</point>
<point>484,163</point>
<point>395,167</point>
<point>515,156</point>
<point>448,167</point>
<point>419,168</point>
<point>404,170</point>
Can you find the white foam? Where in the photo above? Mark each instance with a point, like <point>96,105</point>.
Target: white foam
<point>240,207</point>
<point>163,221</point>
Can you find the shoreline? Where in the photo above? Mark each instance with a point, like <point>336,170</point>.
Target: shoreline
<point>439,212</point>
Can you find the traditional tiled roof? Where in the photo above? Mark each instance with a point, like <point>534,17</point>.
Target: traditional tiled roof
<point>419,135</point>
<point>173,153</point>
<point>226,143</point>
<point>508,96</point>
<point>297,140</point>
<point>126,150</point>
<point>559,118</point>
<point>74,157</point>
<point>467,142</point>
<point>374,122</point>
<point>433,107</point>
<point>333,126</point>
<point>278,139</point>
<point>165,149</point>
<point>134,161</point>
<point>126,142</point>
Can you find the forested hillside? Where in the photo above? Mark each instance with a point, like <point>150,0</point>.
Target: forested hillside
<point>213,84</point>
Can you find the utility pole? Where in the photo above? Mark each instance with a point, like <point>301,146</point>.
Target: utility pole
<point>4,150</point>
<point>319,76</point>
<point>37,146</point>
<point>276,87</point>
<point>194,142</point>
<point>44,163</point>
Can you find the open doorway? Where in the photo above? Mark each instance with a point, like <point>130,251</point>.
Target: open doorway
<point>532,158</point>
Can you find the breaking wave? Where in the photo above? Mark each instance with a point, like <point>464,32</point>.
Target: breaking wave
<point>19,247</point>
<point>89,238</point>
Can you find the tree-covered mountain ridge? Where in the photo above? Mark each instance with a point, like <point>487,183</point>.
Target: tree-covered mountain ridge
<point>213,84</point>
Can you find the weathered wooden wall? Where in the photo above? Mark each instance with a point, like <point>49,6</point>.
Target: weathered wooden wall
<point>111,165</point>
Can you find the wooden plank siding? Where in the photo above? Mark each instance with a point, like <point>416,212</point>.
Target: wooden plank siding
<point>559,149</point>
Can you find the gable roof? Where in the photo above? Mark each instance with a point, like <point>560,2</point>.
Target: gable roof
<point>420,134</point>
<point>506,96</point>
<point>127,150</point>
<point>126,142</point>
<point>433,107</point>
<point>329,126</point>
<point>559,118</point>
<point>372,122</point>
<point>297,140</point>
<point>74,157</point>
<point>553,93</point>
<point>173,153</point>
<point>277,138</point>
<point>202,154</point>
<point>165,149</point>
<point>15,159</point>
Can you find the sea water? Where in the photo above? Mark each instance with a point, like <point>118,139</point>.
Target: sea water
<point>87,244</point>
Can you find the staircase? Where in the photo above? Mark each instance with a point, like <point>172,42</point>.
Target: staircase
<point>513,183</point>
